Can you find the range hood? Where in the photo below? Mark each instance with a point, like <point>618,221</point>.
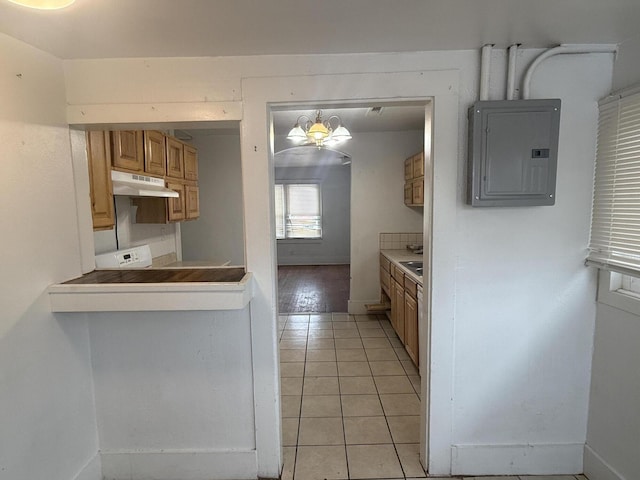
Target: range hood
<point>134,185</point>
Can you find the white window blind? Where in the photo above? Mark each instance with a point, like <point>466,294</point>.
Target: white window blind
<point>615,219</point>
<point>298,211</point>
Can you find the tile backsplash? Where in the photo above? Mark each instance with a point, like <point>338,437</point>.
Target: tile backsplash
<point>399,241</point>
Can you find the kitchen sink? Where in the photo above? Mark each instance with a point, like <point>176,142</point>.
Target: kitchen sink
<point>415,267</point>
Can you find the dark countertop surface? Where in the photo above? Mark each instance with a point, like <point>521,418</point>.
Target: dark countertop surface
<point>159,275</point>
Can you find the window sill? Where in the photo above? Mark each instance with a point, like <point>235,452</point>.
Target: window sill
<point>305,241</point>
<point>608,294</point>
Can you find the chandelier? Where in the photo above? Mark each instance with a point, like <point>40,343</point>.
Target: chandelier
<point>319,133</point>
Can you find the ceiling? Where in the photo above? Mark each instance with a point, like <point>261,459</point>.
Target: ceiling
<point>165,28</point>
<point>390,118</point>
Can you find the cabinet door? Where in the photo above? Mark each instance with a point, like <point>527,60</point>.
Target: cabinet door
<point>418,165</point>
<point>99,160</point>
<point>408,168</point>
<point>175,158</point>
<point>398,293</point>
<point>128,150</point>
<point>190,163</point>
<point>176,206</point>
<point>408,193</point>
<point>192,197</point>
<point>411,327</point>
<point>155,153</point>
<point>418,191</point>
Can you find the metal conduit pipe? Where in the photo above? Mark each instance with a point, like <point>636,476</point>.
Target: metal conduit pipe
<point>485,68</point>
<point>561,49</point>
<point>511,71</point>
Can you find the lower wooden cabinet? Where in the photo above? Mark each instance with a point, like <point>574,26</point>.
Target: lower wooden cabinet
<point>101,191</point>
<point>397,313</point>
<point>411,327</point>
<point>402,291</point>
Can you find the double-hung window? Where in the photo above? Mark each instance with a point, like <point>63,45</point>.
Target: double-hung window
<point>615,221</point>
<point>298,211</point>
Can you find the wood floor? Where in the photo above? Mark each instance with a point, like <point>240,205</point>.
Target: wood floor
<point>313,288</point>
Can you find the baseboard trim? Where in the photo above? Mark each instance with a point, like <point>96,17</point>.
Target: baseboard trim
<point>596,468</point>
<point>185,465</point>
<point>530,459</point>
<point>92,470</point>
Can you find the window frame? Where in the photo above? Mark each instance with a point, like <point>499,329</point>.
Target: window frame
<point>300,240</point>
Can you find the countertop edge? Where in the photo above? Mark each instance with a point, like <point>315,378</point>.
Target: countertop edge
<point>397,256</point>
<point>170,296</point>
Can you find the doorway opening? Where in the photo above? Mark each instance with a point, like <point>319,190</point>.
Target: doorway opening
<point>350,393</point>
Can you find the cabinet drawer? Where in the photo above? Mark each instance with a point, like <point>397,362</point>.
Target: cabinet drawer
<point>384,263</point>
<point>398,275</point>
<point>385,280</point>
<point>410,287</point>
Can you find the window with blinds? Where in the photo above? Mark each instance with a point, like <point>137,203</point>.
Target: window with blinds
<point>298,211</point>
<point>615,218</point>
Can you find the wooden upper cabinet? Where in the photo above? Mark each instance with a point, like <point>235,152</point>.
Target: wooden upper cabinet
<point>190,163</point>
<point>418,165</point>
<point>175,158</point>
<point>127,150</point>
<point>192,200</point>
<point>408,168</point>
<point>176,206</point>
<point>414,180</point>
<point>99,162</point>
<point>155,153</point>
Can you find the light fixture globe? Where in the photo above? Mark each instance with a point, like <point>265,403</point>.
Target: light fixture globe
<point>297,134</point>
<point>44,4</point>
<point>319,133</point>
<point>341,134</point>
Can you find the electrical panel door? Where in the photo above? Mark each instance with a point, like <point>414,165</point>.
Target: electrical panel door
<point>513,148</point>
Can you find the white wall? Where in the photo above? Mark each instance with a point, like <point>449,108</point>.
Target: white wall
<point>333,247</point>
<point>174,382</point>
<point>218,234</point>
<point>524,309</point>
<point>523,318</point>
<point>627,67</point>
<point>377,205</point>
<point>613,436</point>
<point>47,418</point>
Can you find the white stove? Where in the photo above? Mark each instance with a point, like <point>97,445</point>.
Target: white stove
<point>136,257</point>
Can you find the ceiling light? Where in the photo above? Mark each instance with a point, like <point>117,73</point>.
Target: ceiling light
<point>44,4</point>
<point>320,133</point>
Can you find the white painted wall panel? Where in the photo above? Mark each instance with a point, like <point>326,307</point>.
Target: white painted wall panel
<point>173,381</point>
<point>614,425</point>
<point>524,310</point>
<point>47,415</point>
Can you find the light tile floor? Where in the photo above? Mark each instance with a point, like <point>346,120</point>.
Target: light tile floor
<point>350,401</point>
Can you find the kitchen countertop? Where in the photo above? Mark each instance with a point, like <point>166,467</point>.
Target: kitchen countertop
<point>218,288</point>
<point>397,256</point>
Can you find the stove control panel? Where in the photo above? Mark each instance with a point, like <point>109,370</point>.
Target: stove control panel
<point>136,257</point>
